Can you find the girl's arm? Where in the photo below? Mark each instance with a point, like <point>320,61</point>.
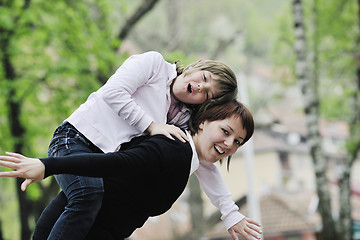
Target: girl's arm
<point>214,186</point>
<point>117,92</point>
<point>133,74</point>
<point>136,72</point>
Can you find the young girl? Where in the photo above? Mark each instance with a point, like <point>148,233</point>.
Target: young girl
<point>144,94</point>
<point>148,177</point>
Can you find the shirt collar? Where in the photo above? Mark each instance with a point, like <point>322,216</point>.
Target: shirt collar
<point>195,158</point>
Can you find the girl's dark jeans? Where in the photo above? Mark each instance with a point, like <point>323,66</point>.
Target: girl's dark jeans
<point>72,213</point>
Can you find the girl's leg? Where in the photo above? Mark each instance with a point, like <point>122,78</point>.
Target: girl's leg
<point>84,194</point>
<point>49,216</point>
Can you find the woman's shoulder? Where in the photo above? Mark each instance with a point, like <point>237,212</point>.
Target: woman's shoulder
<point>169,147</point>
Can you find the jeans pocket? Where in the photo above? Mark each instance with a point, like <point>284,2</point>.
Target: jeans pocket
<point>59,146</point>
<point>81,139</point>
<point>68,140</point>
<point>62,140</point>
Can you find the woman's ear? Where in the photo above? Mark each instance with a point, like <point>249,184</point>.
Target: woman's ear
<point>201,126</point>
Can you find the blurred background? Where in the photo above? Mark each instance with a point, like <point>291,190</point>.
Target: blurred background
<point>298,67</point>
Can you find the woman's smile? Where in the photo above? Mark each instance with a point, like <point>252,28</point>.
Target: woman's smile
<point>219,139</point>
<point>219,149</point>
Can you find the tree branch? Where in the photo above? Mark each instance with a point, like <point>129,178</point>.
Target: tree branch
<point>144,8</point>
<point>224,43</point>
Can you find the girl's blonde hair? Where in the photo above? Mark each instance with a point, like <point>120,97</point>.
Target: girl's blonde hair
<point>224,76</point>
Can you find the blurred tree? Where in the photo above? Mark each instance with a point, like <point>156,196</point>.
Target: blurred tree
<point>309,91</point>
<point>53,54</point>
<point>328,38</point>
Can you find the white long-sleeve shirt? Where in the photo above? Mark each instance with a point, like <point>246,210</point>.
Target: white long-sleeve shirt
<point>215,188</point>
<point>134,96</point>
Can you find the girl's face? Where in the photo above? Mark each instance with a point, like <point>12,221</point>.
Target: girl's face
<point>219,139</point>
<point>195,88</point>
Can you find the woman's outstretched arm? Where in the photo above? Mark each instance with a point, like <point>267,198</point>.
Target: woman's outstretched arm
<point>147,156</point>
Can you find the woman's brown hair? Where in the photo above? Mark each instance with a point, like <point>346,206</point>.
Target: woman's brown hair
<point>214,112</point>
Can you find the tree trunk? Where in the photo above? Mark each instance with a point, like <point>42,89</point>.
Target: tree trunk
<point>345,219</point>
<point>308,90</point>
<point>17,131</point>
<point>196,209</point>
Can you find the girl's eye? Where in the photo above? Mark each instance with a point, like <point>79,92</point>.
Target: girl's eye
<point>237,142</point>
<point>204,77</point>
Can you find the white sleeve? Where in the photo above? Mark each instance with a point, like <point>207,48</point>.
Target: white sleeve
<point>134,73</point>
<point>214,186</point>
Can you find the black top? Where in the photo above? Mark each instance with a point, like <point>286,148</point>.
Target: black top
<point>142,181</point>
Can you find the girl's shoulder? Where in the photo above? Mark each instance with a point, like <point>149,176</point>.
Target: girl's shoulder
<point>154,55</point>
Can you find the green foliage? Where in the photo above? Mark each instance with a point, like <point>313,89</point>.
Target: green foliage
<point>180,56</point>
<point>334,29</point>
<point>352,144</point>
<point>282,52</point>
<point>10,222</point>
<point>59,50</point>
<point>338,31</point>
<point>6,20</point>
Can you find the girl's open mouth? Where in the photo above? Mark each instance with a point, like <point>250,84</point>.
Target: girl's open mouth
<point>189,88</point>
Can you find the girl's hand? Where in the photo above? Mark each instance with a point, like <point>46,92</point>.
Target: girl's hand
<point>246,228</point>
<point>167,130</point>
<point>30,168</point>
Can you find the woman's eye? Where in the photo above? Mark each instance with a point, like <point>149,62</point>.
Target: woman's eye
<point>204,77</point>
<point>226,132</point>
<point>237,142</point>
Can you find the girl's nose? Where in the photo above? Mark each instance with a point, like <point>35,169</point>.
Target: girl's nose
<point>199,87</point>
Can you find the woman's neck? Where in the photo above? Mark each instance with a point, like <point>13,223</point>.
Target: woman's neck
<point>196,145</point>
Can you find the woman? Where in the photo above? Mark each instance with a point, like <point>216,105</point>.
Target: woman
<point>147,178</point>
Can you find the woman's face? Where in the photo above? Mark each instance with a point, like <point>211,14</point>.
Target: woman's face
<point>195,88</point>
<point>219,139</point>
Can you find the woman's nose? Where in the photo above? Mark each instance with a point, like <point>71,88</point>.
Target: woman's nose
<point>199,87</point>
<point>228,142</point>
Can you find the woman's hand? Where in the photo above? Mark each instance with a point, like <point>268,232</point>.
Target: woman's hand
<point>246,228</point>
<point>167,130</point>
<point>30,168</point>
